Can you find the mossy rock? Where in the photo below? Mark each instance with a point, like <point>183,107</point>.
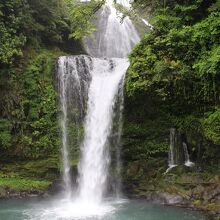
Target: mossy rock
<point>3,192</point>
<point>46,168</point>
<point>181,169</point>
<point>20,184</point>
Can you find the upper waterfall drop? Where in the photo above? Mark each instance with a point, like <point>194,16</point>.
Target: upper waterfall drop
<point>115,37</point>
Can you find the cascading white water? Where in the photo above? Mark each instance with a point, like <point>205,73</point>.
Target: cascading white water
<point>188,162</point>
<point>119,113</point>
<point>73,82</point>
<point>176,152</point>
<point>171,155</point>
<point>93,168</point>
<point>147,23</point>
<point>95,86</point>
<point>114,37</point>
<point>63,123</point>
<point>172,146</point>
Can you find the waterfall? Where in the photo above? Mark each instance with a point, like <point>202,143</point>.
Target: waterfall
<point>73,82</point>
<point>114,37</point>
<point>91,98</point>
<point>63,123</point>
<point>178,152</point>
<point>147,23</point>
<point>171,155</point>
<point>93,168</point>
<point>117,144</point>
<point>173,141</point>
<point>188,163</point>
<point>92,87</point>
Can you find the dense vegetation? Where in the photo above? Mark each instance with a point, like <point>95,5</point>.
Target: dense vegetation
<point>33,34</point>
<point>174,80</point>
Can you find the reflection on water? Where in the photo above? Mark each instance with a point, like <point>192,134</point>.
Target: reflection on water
<point>75,210</point>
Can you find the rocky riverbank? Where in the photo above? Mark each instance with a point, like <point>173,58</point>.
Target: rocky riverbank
<point>28,178</point>
<point>182,186</point>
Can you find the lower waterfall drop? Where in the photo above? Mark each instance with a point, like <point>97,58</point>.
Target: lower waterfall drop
<point>91,94</point>
<point>103,91</point>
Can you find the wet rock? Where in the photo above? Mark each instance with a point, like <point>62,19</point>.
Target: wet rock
<point>56,186</point>
<point>167,199</point>
<point>133,169</point>
<point>3,192</point>
<point>197,192</point>
<point>179,170</point>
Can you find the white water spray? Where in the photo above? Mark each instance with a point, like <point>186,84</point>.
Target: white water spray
<point>73,82</point>
<point>188,162</point>
<point>147,23</point>
<point>93,168</point>
<point>114,37</point>
<point>63,123</point>
<point>171,155</point>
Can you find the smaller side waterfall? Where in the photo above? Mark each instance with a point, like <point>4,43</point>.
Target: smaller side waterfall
<point>178,152</point>
<point>147,23</point>
<point>171,154</point>
<point>188,163</point>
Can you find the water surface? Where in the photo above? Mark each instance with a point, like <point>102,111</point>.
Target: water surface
<point>111,210</point>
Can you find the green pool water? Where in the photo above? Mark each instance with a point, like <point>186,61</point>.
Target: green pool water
<point>74,210</point>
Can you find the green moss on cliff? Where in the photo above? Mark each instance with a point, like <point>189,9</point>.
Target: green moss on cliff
<point>19,184</point>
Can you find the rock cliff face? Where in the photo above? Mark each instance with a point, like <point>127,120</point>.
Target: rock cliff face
<point>182,186</point>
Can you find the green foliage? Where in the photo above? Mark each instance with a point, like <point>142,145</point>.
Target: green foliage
<point>5,135</point>
<point>36,23</point>
<point>209,63</point>
<point>28,100</point>
<point>11,36</point>
<point>145,140</point>
<point>81,15</point>
<point>24,184</point>
<point>30,108</point>
<point>212,126</point>
<point>49,21</point>
<point>47,169</point>
<point>39,107</point>
<point>175,69</point>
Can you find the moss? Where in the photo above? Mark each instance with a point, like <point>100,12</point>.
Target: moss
<point>48,169</point>
<point>197,203</point>
<point>146,177</point>
<point>74,163</point>
<point>3,192</point>
<point>28,175</point>
<point>24,184</point>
